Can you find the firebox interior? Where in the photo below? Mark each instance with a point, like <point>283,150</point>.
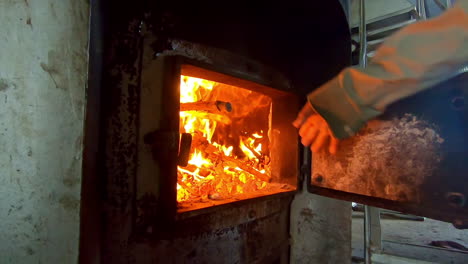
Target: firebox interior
<point>243,145</point>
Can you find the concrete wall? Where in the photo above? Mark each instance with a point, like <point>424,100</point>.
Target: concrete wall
<point>320,229</point>
<point>43,73</point>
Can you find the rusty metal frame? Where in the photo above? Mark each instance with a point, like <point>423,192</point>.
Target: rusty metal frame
<point>158,207</point>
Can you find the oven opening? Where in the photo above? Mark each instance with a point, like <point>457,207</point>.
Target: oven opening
<point>231,155</point>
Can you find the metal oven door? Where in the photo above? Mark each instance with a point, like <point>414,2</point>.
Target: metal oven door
<point>414,159</point>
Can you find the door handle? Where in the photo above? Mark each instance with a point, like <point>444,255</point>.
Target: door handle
<point>184,149</point>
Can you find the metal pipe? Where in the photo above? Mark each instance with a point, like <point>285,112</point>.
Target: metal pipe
<point>421,6</point>
<point>423,9</point>
<point>367,235</point>
<point>449,4</point>
<point>363,64</point>
<point>362,34</point>
<point>418,7</point>
<point>440,4</point>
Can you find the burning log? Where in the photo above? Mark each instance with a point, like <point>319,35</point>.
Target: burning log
<point>201,143</point>
<point>219,156</point>
<point>246,168</point>
<point>256,154</point>
<point>188,188</point>
<point>219,117</point>
<point>215,107</point>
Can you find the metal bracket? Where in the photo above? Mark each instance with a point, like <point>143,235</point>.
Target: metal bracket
<point>163,142</point>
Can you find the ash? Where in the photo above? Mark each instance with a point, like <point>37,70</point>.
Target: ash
<point>387,159</point>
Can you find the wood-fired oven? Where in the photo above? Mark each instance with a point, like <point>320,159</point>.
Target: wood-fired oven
<point>198,159</point>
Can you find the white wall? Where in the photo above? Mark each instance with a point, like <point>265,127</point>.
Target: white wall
<point>43,73</point>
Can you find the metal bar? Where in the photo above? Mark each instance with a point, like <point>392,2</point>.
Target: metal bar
<point>373,44</point>
<point>401,216</point>
<point>449,4</point>
<point>440,4</point>
<point>362,34</point>
<point>386,16</point>
<point>363,64</point>
<point>376,230</point>
<point>367,235</point>
<point>421,7</point>
<point>372,233</point>
<point>374,32</point>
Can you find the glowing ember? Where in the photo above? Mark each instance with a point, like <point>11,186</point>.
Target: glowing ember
<point>238,163</point>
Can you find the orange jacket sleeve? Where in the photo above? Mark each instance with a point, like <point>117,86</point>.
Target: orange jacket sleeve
<point>415,58</point>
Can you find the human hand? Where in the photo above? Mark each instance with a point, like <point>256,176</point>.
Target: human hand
<point>314,130</point>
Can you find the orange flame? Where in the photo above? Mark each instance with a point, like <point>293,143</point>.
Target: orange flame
<point>207,173</point>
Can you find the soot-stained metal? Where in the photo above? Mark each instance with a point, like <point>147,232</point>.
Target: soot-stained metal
<point>286,44</point>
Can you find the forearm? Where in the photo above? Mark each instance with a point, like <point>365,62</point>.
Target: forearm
<point>414,59</point>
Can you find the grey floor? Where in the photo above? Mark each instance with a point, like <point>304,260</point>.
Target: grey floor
<point>412,239</point>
